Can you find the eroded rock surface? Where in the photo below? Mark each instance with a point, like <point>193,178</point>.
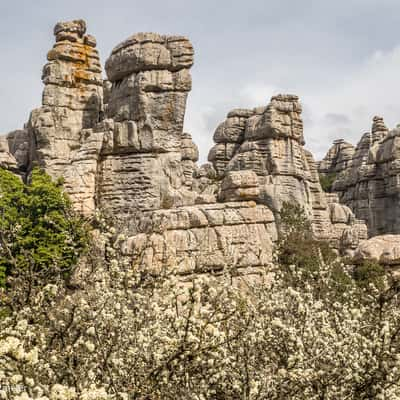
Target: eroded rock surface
<point>384,249</point>
<point>370,182</point>
<point>72,98</point>
<point>119,144</point>
<point>337,159</point>
<point>198,239</point>
<point>267,143</point>
<point>7,160</point>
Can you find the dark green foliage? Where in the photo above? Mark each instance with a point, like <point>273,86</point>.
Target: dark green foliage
<point>327,181</point>
<point>297,246</point>
<point>298,251</point>
<point>369,272</point>
<point>39,233</point>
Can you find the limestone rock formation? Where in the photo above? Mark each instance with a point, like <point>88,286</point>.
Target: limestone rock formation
<point>347,232</point>
<point>337,158</point>
<point>147,161</point>
<point>198,239</point>
<point>239,186</point>
<point>7,160</point>
<point>19,147</point>
<point>228,136</point>
<point>370,182</point>
<point>267,142</point>
<point>120,147</point>
<point>72,98</point>
<point>385,249</point>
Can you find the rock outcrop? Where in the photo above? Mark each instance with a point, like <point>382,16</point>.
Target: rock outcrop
<point>72,98</point>
<point>206,238</point>
<point>384,249</point>
<point>18,143</point>
<point>7,160</point>
<point>337,159</point>
<point>120,147</point>
<point>146,160</point>
<point>370,183</point>
<point>268,142</point>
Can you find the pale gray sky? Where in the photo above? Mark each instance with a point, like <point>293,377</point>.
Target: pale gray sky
<point>341,57</point>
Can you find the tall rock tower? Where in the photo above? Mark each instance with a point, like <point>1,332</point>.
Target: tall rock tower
<point>141,163</point>
<point>72,98</point>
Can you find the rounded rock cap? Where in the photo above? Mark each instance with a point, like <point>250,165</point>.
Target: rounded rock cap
<point>146,51</point>
<point>75,28</point>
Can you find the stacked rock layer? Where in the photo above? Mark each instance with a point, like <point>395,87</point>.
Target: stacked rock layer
<point>120,147</point>
<point>268,141</point>
<point>370,182</point>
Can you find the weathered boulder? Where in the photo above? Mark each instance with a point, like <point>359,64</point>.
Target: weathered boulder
<point>19,144</point>
<point>384,249</point>
<point>239,186</point>
<point>149,51</point>
<point>347,232</point>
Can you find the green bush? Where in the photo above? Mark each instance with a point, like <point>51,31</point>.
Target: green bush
<point>296,245</point>
<point>297,250</point>
<point>39,233</point>
<point>369,272</point>
<point>327,181</point>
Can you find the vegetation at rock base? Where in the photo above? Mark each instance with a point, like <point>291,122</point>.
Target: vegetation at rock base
<point>125,334</point>
<point>369,272</point>
<point>39,233</point>
<point>327,181</point>
<point>297,249</point>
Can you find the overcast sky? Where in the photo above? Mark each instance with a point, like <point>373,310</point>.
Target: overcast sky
<point>341,57</point>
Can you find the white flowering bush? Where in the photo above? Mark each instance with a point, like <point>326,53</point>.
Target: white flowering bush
<point>120,333</point>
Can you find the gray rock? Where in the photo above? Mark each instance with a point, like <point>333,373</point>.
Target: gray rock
<point>239,186</point>
<point>71,105</point>
<point>7,160</point>
<point>270,146</point>
<point>368,182</point>
<point>384,249</point>
<point>337,159</point>
<point>205,238</point>
<point>120,147</point>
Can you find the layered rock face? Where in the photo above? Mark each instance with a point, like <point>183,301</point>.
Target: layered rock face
<point>384,249</point>
<point>7,160</point>
<point>268,141</point>
<point>72,98</point>
<point>147,161</point>
<point>205,238</point>
<point>337,159</point>
<point>18,143</point>
<point>370,182</point>
<point>120,147</point>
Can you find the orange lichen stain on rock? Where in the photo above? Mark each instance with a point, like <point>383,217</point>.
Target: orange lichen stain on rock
<point>81,75</point>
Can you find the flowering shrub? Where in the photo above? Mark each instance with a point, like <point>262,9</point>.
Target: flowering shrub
<point>123,334</point>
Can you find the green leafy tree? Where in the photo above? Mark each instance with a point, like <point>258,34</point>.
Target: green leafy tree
<point>302,256</point>
<point>327,181</point>
<point>39,233</point>
<point>297,246</point>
